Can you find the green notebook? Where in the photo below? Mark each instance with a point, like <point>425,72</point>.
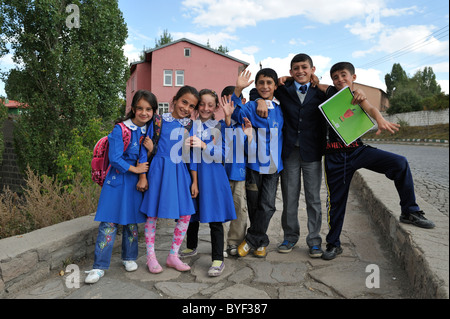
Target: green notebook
<point>349,121</point>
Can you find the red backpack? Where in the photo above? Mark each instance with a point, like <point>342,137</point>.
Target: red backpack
<point>100,162</point>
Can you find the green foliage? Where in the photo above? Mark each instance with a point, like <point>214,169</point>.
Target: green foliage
<point>66,75</point>
<point>164,39</point>
<point>420,92</point>
<point>436,102</point>
<point>395,79</point>
<point>77,156</point>
<point>405,100</point>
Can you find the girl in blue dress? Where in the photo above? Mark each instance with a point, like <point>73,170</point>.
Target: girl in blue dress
<point>215,201</point>
<point>170,188</point>
<point>121,194</point>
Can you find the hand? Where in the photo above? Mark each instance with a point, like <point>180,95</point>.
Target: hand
<point>227,106</point>
<point>243,80</point>
<point>141,168</point>
<point>387,126</point>
<point>282,81</point>
<point>194,190</point>
<point>248,129</point>
<point>262,110</point>
<point>358,97</point>
<point>142,185</point>
<point>148,143</point>
<point>194,141</point>
<point>314,80</point>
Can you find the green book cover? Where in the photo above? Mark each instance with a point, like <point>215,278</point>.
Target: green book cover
<point>349,121</point>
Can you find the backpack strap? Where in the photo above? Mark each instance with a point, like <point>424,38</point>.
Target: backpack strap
<point>189,126</point>
<point>126,135</point>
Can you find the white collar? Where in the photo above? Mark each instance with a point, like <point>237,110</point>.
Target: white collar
<point>269,103</point>
<point>209,123</point>
<point>169,118</point>
<point>129,123</point>
<point>276,101</point>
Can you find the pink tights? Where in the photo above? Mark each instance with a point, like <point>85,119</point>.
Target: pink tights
<point>178,234</point>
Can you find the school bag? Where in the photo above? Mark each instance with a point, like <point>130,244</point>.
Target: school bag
<point>100,162</point>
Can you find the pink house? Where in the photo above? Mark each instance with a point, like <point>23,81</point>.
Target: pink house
<point>183,62</point>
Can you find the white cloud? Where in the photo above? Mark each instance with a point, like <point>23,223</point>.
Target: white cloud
<point>132,53</point>
<point>232,14</point>
<point>6,62</point>
<point>415,38</point>
<point>444,85</point>
<point>371,77</point>
<point>251,49</point>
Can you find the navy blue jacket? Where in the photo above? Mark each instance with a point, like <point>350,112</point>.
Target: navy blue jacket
<point>301,120</point>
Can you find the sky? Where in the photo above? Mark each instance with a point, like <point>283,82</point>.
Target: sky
<point>373,35</point>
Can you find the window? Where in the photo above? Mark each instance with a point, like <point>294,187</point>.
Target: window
<point>187,52</point>
<point>179,80</point>
<point>133,84</point>
<point>163,108</point>
<point>168,77</point>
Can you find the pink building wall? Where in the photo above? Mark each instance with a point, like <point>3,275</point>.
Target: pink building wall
<point>204,68</point>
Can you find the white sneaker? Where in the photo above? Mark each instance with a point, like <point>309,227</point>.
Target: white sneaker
<point>94,276</point>
<point>130,265</point>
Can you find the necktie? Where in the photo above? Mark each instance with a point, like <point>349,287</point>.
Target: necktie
<point>303,89</point>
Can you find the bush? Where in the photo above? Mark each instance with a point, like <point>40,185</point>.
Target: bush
<point>45,201</point>
<point>77,156</point>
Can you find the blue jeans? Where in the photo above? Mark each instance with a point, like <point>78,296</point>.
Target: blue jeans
<point>105,243</point>
<point>261,192</point>
<point>291,177</point>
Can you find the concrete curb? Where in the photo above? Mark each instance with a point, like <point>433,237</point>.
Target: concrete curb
<point>28,259</point>
<point>424,253</point>
<point>409,140</point>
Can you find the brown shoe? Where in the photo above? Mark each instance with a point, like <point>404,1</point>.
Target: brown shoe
<point>261,252</point>
<point>243,249</point>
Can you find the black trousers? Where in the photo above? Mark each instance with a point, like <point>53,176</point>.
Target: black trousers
<point>217,241</point>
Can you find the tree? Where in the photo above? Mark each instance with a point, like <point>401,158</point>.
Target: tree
<point>426,83</point>
<point>405,100</point>
<point>395,79</point>
<point>67,74</point>
<point>164,39</point>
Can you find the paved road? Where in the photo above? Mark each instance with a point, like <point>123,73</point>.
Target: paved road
<point>430,168</point>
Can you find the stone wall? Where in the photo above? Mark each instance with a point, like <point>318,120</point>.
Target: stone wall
<point>422,118</point>
<point>28,259</point>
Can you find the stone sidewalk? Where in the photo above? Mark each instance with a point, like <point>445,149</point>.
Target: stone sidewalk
<point>369,267</point>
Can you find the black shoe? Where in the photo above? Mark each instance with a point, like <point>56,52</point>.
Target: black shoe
<point>331,252</point>
<point>417,219</point>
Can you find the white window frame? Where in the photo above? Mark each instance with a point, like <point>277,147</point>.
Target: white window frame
<point>163,108</point>
<point>179,78</point>
<point>167,74</point>
<point>187,52</point>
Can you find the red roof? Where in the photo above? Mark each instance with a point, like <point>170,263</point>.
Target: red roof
<point>12,104</point>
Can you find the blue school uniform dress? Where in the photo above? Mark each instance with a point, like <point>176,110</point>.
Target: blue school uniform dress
<point>169,180</point>
<point>215,201</point>
<point>120,200</point>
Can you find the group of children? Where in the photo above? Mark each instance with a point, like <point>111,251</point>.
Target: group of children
<point>194,176</point>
